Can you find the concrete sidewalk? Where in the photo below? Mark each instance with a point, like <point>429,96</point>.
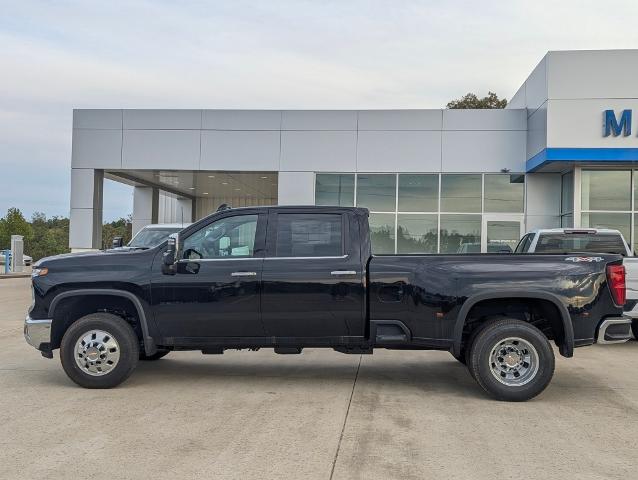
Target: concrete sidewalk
<point>319,415</point>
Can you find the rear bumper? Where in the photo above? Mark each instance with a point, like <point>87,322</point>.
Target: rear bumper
<point>614,330</point>
<point>37,333</point>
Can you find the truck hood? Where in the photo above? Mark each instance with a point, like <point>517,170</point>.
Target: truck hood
<point>89,257</point>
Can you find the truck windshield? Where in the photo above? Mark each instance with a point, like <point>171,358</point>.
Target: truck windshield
<point>580,242</point>
<point>148,238</point>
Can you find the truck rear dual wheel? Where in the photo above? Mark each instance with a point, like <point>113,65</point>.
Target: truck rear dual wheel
<point>100,350</point>
<point>511,360</point>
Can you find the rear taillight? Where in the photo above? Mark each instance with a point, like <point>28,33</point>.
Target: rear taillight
<point>616,279</point>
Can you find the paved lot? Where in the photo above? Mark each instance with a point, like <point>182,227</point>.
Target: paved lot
<point>254,415</point>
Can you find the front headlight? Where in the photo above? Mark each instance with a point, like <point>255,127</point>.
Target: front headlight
<point>39,272</point>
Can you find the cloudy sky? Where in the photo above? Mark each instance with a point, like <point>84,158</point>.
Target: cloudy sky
<point>56,56</point>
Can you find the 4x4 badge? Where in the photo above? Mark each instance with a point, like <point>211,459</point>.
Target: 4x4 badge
<point>584,259</point>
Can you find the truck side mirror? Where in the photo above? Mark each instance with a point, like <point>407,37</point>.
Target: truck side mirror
<point>117,242</point>
<point>171,255</point>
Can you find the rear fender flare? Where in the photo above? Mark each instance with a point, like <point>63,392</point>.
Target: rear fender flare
<point>566,350</point>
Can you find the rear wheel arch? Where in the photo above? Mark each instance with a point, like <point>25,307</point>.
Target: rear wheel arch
<point>545,302</point>
<point>67,307</point>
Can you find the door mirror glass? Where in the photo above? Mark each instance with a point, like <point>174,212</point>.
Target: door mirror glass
<point>170,256</point>
<point>117,242</point>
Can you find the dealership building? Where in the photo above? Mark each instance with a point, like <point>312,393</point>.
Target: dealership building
<point>562,153</point>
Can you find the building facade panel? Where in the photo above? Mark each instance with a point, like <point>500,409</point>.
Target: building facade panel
<point>162,119</point>
<point>402,151</point>
<point>101,119</point>
<point>327,151</point>
<point>604,74</point>
<point>389,120</point>
<point>485,119</point>
<point>580,123</point>
<point>319,120</point>
<point>241,119</point>
<point>240,150</point>
<point>483,151</point>
<point>161,149</point>
<point>96,148</point>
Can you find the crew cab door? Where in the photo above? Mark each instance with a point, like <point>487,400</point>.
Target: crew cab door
<point>312,276</point>
<point>215,292</point>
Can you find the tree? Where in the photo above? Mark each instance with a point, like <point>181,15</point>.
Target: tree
<point>50,236</point>
<point>13,223</point>
<point>470,100</point>
<point>117,228</point>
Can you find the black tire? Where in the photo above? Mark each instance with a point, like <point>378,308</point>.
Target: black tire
<point>483,365</point>
<point>127,349</point>
<point>634,328</point>
<point>156,356</point>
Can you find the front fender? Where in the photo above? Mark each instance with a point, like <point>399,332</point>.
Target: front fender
<point>149,344</point>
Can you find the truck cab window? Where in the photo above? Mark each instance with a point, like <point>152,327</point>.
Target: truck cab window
<point>308,235</point>
<point>524,244</point>
<point>227,237</point>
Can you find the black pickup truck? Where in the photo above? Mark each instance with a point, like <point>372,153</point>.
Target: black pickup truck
<point>294,277</point>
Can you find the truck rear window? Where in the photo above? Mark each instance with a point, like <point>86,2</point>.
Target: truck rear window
<point>580,242</point>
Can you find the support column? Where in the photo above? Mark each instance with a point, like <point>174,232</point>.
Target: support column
<point>145,207</point>
<point>296,188</point>
<point>185,211</point>
<point>85,223</point>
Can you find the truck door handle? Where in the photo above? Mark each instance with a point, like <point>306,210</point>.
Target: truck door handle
<point>338,273</point>
<point>243,274</point>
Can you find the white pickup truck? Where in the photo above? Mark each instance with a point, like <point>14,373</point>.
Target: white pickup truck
<point>588,240</point>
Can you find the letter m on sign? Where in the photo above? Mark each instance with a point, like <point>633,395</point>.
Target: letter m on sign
<point>615,127</point>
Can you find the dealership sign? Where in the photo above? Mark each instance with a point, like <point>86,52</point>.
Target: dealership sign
<point>617,125</point>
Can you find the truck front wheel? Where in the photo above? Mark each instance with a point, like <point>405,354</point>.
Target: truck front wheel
<point>511,360</point>
<point>100,350</point>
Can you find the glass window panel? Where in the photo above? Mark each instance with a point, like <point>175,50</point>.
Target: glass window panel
<point>227,237</point>
<point>460,193</point>
<point>377,192</point>
<point>417,233</point>
<point>460,233</point>
<point>567,193</point>
<point>308,235</point>
<point>382,232</point>
<point>331,189</point>
<point>576,242</point>
<point>635,238</point>
<point>418,193</point>
<point>502,236</point>
<point>504,193</point>
<point>617,221</point>
<point>606,190</point>
<point>567,221</point>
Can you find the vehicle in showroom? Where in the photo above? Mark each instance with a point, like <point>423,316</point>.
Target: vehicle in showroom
<point>151,235</point>
<point>588,240</point>
<point>288,278</point>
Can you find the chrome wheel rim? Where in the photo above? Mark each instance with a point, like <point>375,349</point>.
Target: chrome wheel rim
<point>97,352</point>
<point>514,361</point>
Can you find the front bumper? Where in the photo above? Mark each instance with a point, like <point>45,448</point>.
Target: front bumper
<point>37,333</point>
<point>614,330</point>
